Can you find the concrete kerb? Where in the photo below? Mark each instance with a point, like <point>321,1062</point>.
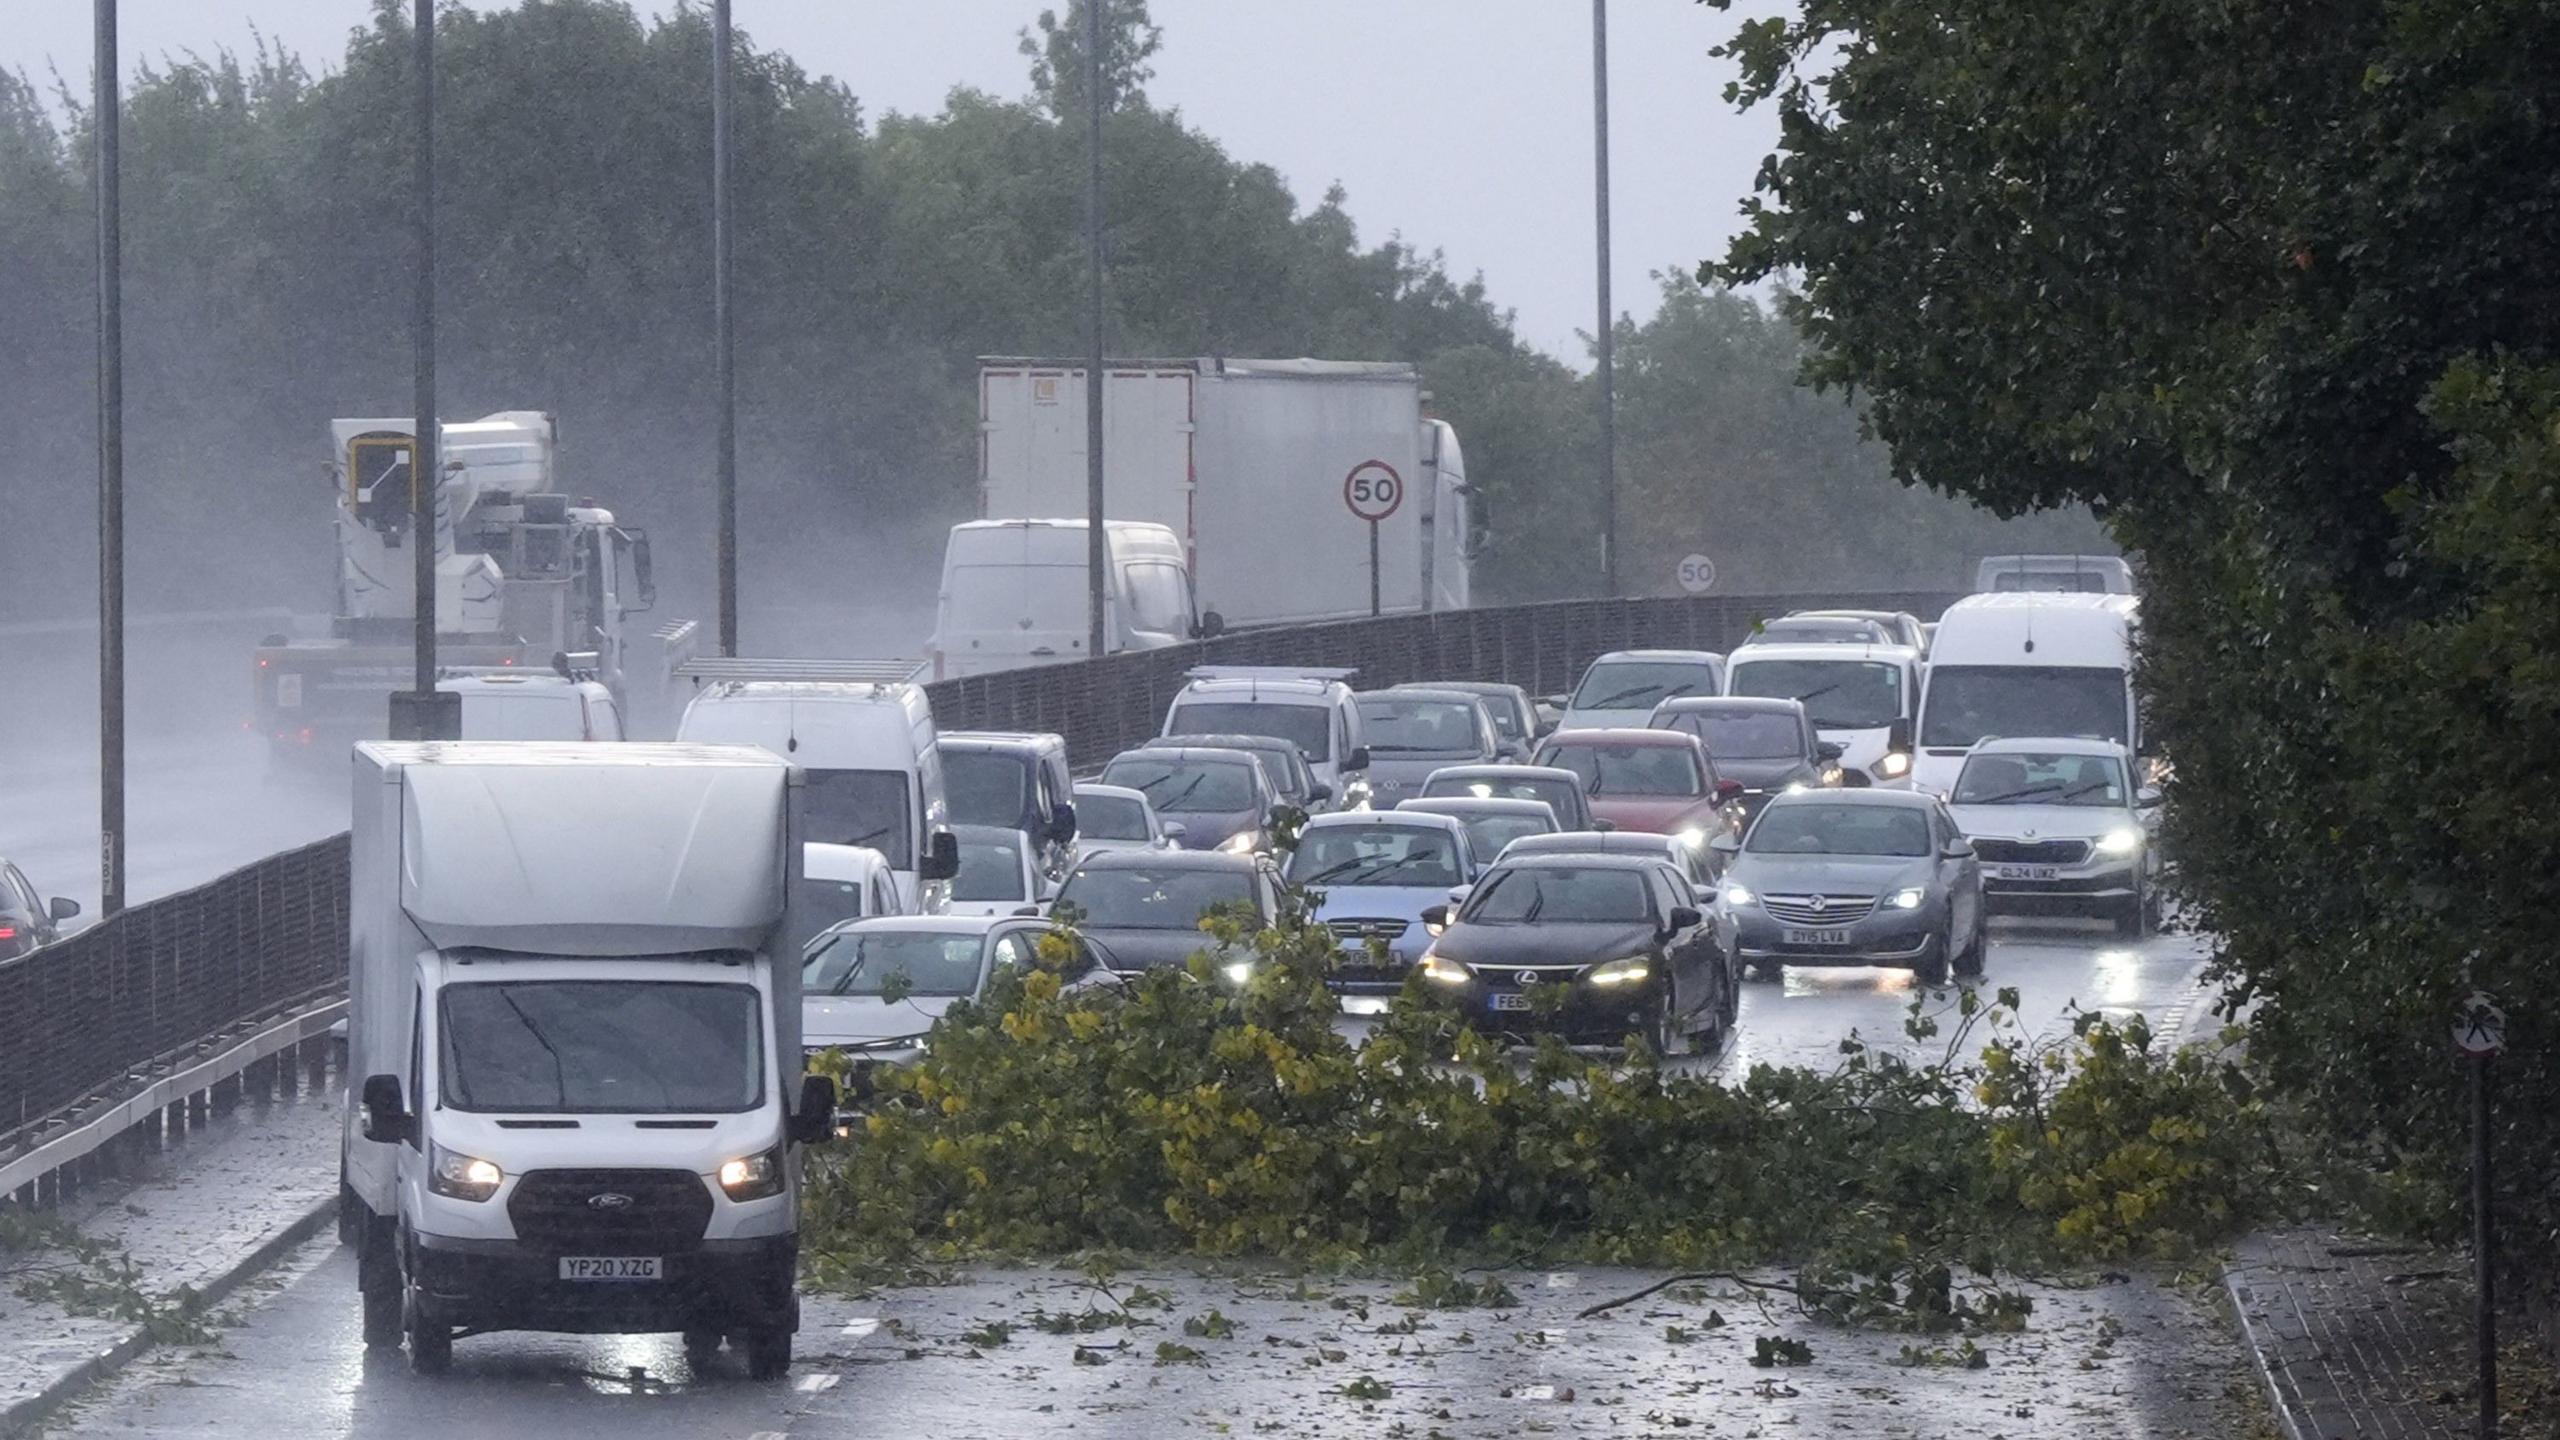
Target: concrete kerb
<point>21,1416</point>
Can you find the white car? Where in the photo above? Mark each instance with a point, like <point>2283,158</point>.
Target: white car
<point>2061,826</point>
<point>1621,688</point>
<point>999,872</point>
<point>873,987</point>
<point>1116,817</point>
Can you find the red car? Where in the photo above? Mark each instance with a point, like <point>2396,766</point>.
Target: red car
<point>1656,780</point>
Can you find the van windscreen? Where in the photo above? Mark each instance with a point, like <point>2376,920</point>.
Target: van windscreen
<point>986,787</point>
<point>861,807</point>
<point>1967,703</point>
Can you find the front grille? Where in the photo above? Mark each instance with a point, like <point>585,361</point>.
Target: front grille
<point>665,1212</point>
<point>2032,852</point>
<point>1362,930</point>
<point>1830,909</point>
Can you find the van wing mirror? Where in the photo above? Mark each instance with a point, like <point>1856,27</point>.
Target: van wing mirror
<point>643,575</point>
<point>1209,626</point>
<point>1358,759</point>
<point>941,857</point>
<point>387,1120</point>
<point>815,1120</point>
<point>1828,751</point>
<point>1897,736</point>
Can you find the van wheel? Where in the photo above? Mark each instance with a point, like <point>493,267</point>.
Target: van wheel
<point>378,1281</point>
<point>700,1346</point>
<point>430,1339</point>
<point>768,1353</point>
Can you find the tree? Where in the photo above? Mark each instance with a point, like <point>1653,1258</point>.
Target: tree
<point>1060,63</point>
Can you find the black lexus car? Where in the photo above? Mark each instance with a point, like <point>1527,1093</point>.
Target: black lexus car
<point>1592,948</point>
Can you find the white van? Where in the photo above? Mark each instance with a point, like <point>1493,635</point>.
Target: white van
<point>2026,664</point>
<point>1310,708</point>
<point>874,774</point>
<point>529,705</point>
<point>1860,698</point>
<point>1015,594</point>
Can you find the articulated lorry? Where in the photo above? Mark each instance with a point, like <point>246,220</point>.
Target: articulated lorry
<point>1270,472</point>
<point>574,1011</point>
<point>526,577</point>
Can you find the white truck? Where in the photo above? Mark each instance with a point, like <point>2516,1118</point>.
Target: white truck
<point>524,574</point>
<point>1270,470</point>
<point>577,1027</point>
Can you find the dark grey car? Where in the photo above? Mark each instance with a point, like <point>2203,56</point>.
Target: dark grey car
<point>1515,715</point>
<point>1291,778</point>
<point>1764,743</point>
<point>1854,877</point>
<point>1413,731</point>
<point>1140,910</point>
<point>1222,797</point>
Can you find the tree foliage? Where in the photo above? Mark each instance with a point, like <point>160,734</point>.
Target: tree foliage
<point>2271,287</point>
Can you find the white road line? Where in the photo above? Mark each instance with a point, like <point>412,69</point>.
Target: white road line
<point>865,1325</point>
<point>812,1384</point>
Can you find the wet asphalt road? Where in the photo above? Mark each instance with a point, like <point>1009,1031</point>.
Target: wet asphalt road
<point>2112,1360</point>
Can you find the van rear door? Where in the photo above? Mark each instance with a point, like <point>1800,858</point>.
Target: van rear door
<point>1011,597</point>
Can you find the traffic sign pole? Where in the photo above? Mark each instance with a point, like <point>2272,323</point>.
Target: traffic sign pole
<point>1374,607</point>
<point>2479,1033</point>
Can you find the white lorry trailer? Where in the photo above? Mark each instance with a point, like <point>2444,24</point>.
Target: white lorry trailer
<point>577,1026</point>
<point>1267,469</point>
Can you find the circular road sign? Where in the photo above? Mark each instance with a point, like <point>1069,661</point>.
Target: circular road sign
<point>1697,574</point>
<point>1373,490</point>
<point>2479,1027</point>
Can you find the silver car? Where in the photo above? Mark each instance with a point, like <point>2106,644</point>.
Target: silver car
<point>1854,877</point>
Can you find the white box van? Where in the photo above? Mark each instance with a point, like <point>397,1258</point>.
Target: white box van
<point>1016,593</point>
<point>577,1029</point>
<point>2026,664</point>
<point>866,745</point>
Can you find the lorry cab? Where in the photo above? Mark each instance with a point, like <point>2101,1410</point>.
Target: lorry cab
<point>1014,780</point>
<point>867,746</point>
<point>513,704</point>
<point>2030,663</point>
<point>1015,593</point>
<point>1861,697</point>
<point>1311,708</point>
<point>576,1016</point>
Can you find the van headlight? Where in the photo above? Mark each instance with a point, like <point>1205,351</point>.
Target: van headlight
<point>753,1177</point>
<point>1630,971</point>
<point>1893,766</point>
<point>2119,842</point>
<point>457,1176</point>
<point>1909,898</point>
<point>1445,972</point>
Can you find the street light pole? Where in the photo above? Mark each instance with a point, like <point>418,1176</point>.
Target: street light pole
<point>423,713</point>
<point>724,327</point>
<point>106,114</point>
<point>1096,554</point>
<point>1608,378</point>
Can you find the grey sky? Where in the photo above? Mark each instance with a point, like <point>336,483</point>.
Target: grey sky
<point>1463,125</point>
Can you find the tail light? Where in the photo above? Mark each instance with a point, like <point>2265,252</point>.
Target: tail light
<point>8,932</point>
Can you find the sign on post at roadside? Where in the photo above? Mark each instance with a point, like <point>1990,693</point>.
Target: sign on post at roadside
<point>1373,490</point>
<point>2479,1033</point>
<point>2479,1027</point>
<point>1697,574</point>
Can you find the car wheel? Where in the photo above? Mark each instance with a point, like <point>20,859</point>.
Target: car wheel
<point>2133,921</point>
<point>1931,967</point>
<point>1969,960</point>
<point>1668,1035</point>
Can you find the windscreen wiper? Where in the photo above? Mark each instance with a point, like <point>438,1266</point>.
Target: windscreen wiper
<point>2007,797</point>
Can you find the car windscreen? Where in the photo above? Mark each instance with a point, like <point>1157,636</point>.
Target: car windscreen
<point>988,871</point>
<point>2019,778</point>
<point>1420,727</point>
<point>1524,895</point>
<point>1740,735</point>
<point>1608,769</point>
<point>1152,898</point>
<point>601,1047</point>
<point>986,787</point>
<point>1564,799</point>
<point>1970,703</point>
<point>1641,684</point>
<point>1839,830</point>
<point>1108,817</point>
<point>1344,855</point>
<point>1306,726</point>
<point>1838,694</point>
<point>860,807</point>
<point>1185,787</point>
<point>860,962</point>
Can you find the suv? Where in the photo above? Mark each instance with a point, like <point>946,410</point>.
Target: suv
<point>1014,780</point>
<point>1312,709</point>
<point>28,922</point>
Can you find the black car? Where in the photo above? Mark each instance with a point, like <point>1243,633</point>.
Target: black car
<point>1141,910</point>
<point>1592,948</point>
<point>27,921</point>
<point>1766,744</point>
<point>1291,778</point>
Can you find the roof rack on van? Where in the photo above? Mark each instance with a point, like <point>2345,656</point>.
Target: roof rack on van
<point>1271,672</point>
<point>703,668</point>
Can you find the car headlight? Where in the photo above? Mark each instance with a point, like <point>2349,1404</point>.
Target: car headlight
<point>1445,972</point>
<point>1239,973</point>
<point>461,1177</point>
<point>1630,971</point>
<point>1795,787</point>
<point>1243,842</point>
<point>1736,893</point>
<point>1693,837</point>
<point>1909,898</point>
<point>753,1177</point>
<point>1893,766</point>
<point>2119,842</point>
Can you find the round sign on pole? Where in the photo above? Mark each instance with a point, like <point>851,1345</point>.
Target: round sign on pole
<point>1373,490</point>
<point>1697,574</point>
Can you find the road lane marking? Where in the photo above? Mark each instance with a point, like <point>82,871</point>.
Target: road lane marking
<point>812,1384</point>
<point>863,1326</point>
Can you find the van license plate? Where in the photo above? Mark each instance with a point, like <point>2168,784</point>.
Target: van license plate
<point>609,1267</point>
<point>2026,872</point>
<point>1814,937</point>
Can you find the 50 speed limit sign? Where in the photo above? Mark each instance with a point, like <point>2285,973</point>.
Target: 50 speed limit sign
<point>1373,490</point>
